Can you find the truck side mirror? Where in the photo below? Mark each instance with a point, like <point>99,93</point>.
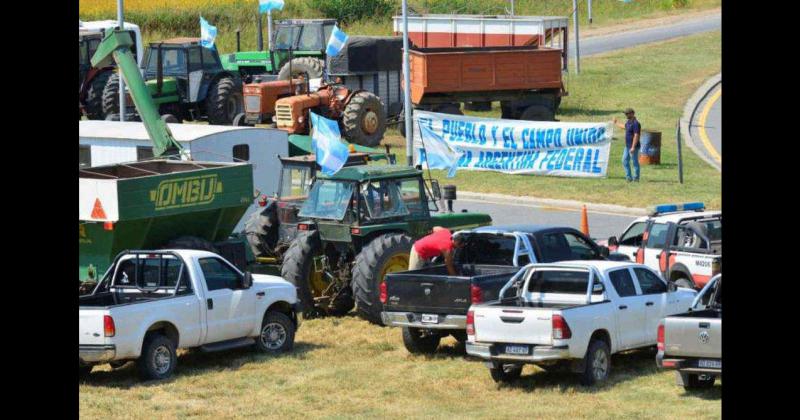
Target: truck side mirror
<point>247,280</point>
<point>613,241</point>
<point>598,288</point>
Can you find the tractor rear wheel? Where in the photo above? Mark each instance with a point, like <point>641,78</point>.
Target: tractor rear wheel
<point>385,254</point>
<point>94,96</point>
<point>309,67</point>
<point>364,119</point>
<point>110,96</point>
<point>224,101</point>
<point>298,269</point>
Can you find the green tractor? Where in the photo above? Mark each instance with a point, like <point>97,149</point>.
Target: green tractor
<point>355,227</point>
<point>299,41</point>
<point>186,81</point>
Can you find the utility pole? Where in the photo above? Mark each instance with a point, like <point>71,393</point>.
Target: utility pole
<point>590,12</point>
<point>407,90</point>
<point>577,38</point>
<point>121,23</point>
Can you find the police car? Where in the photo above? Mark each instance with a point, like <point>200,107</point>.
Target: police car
<point>682,241</point>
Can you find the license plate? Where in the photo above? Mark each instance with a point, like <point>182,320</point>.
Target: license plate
<point>715,364</point>
<point>517,349</point>
<point>430,319</point>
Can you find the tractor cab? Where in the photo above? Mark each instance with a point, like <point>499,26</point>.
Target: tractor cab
<point>87,45</point>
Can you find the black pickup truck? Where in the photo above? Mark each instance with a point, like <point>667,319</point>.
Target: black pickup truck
<point>430,304</point>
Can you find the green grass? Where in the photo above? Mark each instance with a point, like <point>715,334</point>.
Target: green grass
<point>347,368</point>
<point>655,80</point>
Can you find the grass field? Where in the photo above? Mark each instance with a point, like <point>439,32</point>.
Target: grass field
<point>347,368</point>
<point>655,80</point>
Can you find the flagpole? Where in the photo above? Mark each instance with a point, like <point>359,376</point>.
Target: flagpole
<point>407,90</point>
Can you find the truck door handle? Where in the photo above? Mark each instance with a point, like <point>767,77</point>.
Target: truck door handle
<point>210,303</point>
<point>623,306</point>
<point>260,294</point>
<point>649,304</point>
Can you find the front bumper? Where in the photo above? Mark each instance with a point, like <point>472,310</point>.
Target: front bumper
<point>414,320</point>
<point>540,353</point>
<point>96,353</point>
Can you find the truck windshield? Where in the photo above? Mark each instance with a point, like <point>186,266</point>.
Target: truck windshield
<point>328,200</point>
<point>559,281</point>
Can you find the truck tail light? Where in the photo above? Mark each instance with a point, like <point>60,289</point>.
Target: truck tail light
<point>384,295</point>
<point>476,293</point>
<point>660,339</point>
<point>561,330</point>
<point>471,323</point>
<point>108,326</point>
<point>355,231</point>
<point>302,226</point>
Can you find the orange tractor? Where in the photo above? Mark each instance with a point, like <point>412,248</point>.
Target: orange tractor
<point>260,98</point>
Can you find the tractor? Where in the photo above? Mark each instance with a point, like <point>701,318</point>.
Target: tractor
<point>186,81</point>
<point>355,227</point>
<point>260,97</point>
<point>299,41</point>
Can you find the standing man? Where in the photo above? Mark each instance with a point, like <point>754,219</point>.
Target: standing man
<point>632,132</point>
<point>440,242</point>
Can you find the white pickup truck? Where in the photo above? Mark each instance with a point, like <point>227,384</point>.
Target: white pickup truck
<point>150,303</point>
<point>572,314</point>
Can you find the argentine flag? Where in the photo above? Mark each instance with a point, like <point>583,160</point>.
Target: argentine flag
<point>331,153</point>
<point>265,6</point>
<point>208,33</point>
<point>336,42</point>
<point>437,153</point>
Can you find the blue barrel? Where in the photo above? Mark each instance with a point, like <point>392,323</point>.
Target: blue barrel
<point>650,152</point>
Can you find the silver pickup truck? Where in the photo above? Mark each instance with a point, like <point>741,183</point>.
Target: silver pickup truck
<point>691,343</point>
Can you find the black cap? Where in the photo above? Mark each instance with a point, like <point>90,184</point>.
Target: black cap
<point>628,111</point>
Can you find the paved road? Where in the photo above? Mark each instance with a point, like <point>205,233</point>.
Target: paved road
<point>616,41</point>
<point>706,124</point>
<point>601,225</point>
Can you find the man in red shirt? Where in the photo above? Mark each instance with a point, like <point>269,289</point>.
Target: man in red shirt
<point>439,242</point>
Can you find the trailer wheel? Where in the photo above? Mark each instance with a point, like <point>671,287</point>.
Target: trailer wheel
<point>158,357</point>
<point>417,341</point>
<point>298,269</point>
<point>385,254</point>
<point>505,372</point>
<point>224,101</point>
<point>110,98</point>
<point>190,242</point>
<point>537,113</point>
<point>309,67</point>
<point>364,119</point>
<point>94,96</point>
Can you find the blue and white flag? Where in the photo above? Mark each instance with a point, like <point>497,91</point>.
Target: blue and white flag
<point>437,153</point>
<point>265,6</point>
<point>330,152</point>
<point>336,42</point>
<point>208,33</point>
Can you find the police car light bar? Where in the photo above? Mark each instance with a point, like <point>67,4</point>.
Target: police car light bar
<point>670,208</point>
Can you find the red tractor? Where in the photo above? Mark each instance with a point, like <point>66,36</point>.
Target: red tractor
<point>92,80</point>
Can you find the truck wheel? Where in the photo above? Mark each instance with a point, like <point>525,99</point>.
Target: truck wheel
<point>460,336</point>
<point>224,101</point>
<point>277,333</point>
<point>364,119</point>
<point>261,231</point>
<point>191,242</point>
<point>110,98</point>
<point>696,381</point>
<point>386,253</point>
<point>537,113</point>
<point>478,106</point>
<point>94,96</point>
<point>505,373</point>
<point>309,67</point>
<point>158,357</point>
<point>598,363</point>
<point>298,269</point>
<point>419,342</point>
<point>452,109</point>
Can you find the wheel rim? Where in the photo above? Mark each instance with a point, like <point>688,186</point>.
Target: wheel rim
<point>397,262</point>
<point>600,365</point>
<point>162,359</point>
<point>273,335</point>
<point>370,122</point>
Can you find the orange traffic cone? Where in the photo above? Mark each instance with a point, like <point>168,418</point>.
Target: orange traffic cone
<point>584,221</point>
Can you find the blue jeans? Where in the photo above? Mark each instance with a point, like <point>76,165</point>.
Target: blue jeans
<point>626,158</point>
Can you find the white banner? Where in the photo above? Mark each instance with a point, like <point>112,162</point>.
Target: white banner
<point>520,147</point>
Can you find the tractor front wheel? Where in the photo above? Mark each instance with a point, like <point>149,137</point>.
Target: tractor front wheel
<point>94,96</point>
<point>224,101</point>
<point>110,98</point>
<point>385,254</point>
<point>364,119</point>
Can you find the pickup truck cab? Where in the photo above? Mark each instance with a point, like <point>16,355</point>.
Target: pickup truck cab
<point>430,304</point>
<point>151,303</point>
<point>682,241</point>
<point>572,314</point>
<point>691,343</point>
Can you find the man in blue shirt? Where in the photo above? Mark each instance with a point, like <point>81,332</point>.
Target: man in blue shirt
<point>632,132</point>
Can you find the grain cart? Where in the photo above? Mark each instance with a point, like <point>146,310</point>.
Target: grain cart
<point>355,227</point>
<point>186,81</point>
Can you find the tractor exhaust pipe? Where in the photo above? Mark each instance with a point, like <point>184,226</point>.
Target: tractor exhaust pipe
<point>260,35</point>
<point>238,41</point>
